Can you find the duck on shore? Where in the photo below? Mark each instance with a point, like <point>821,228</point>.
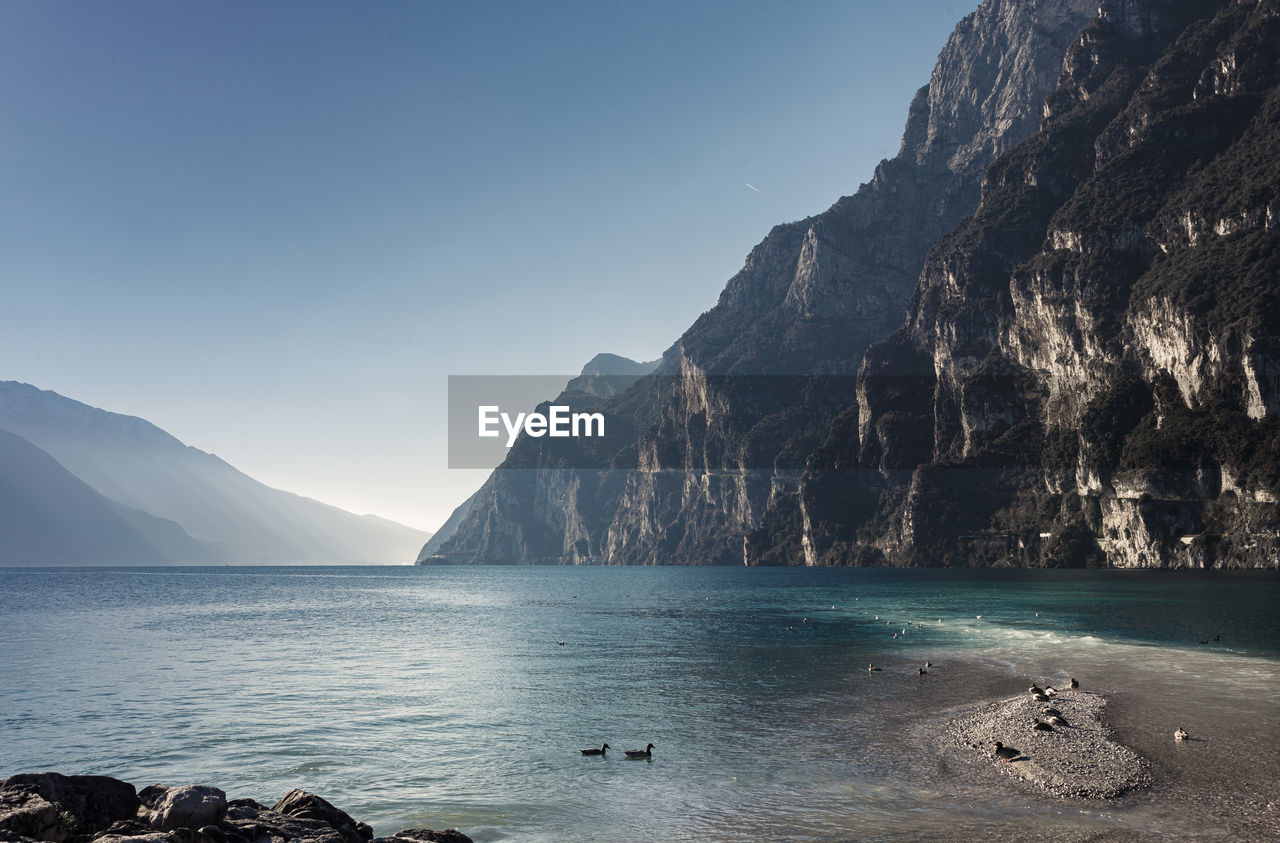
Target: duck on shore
<point>601,751</point>
<point>1041,726</point>
<point>647,752</point>
<point>1005,753</point>
<point>1074,684</point>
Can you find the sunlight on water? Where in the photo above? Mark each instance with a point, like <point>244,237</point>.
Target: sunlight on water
<point>443,697</point>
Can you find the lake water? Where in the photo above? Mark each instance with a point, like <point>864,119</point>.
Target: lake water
<point>442,697</point>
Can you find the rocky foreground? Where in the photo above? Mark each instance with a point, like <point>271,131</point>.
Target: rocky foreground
<point>79,809</point>
<point>1078,759</point>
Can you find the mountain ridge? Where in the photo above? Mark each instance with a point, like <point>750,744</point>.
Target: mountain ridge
<point>133,462</point>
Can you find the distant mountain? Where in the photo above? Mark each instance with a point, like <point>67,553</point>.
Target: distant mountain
<point>48,517</point>
<point>237,519</point>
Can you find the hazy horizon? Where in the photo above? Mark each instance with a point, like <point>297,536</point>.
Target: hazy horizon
<point>274,231</point>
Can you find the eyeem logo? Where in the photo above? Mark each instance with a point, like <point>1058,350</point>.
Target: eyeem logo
<point>558,421</point>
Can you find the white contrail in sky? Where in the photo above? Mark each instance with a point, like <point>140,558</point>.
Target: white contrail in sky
<point>756,189</point>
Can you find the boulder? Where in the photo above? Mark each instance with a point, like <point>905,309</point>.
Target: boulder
<point>308,806</point>
<point>24,814</point>
<point>254,822</point>
<point>95,802</point>
<point>426,835</point>
<point>192,806</point>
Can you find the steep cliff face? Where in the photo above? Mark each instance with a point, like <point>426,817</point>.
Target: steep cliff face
<point>1088,370</point>
<point>731,408</point>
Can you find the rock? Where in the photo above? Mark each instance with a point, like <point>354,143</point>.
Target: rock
<point>28,815</point>
<point>426,835</point>
<point>91,803</point>
<point>149,837</point>
<point>151,794</point>
<point>265,825</point>
<point>299,803</point>
<point>192,806</point>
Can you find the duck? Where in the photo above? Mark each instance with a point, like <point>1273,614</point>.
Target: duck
<point>1040,726</point>
<point>921,671</point>
<point>1035,689</point>
<point>1180,734</point>
<point>1051,692</point>
<point>1057,720</point>
<point>1074,683</point>
<point>647,752</point>
<point>600,751</point>
<point>871,667</point>
<point>1007,753</point>
<point>1039,698</point>
<point>1050,711</point>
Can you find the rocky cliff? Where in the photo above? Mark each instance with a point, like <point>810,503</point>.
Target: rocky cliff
<point>1087,374</point>
<point>722,430</point>
<point>1081,230</point>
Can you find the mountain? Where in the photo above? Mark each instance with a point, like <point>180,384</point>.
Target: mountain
<point>1088,371</point>
<point>604,376</point>
<point>723,427</point>
<point>48,516</point>
<point>235,518</point>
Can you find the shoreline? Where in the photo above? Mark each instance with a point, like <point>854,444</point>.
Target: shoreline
<point>1080,759</point>
<point>54,808</point>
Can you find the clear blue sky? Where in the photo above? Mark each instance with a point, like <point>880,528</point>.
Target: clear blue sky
<point>274,229</point>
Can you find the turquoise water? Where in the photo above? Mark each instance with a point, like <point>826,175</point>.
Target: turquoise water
<point>442,697</point>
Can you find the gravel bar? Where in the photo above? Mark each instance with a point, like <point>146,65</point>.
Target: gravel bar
<point>1076,760</point>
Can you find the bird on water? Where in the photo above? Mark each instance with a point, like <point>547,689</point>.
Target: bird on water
<point>599,751</point>
<point>647,752</point>
<point>1180,734</point>
<point>871,667</point>
<point>1074,683</point>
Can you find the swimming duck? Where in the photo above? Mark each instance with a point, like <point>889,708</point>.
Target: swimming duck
<point>921,671</point>
<point>1007,753</point>
<point>1180,734</point>
<point>647,752</point>
<point>1040,726</point>
<point>599,751</point>
<point>1074,683</point>
<point>928,664</point>
<point>871,667</point>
